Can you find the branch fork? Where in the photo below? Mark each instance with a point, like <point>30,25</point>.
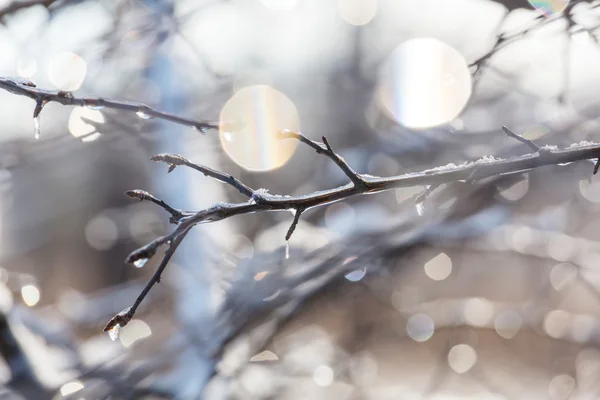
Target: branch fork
<point>259,201</point>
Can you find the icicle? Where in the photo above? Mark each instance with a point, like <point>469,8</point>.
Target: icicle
<point>287,249</point>
<point>113,333</point>
<point>140,263</point>
<point>420,208</point>
<point>36,127</point>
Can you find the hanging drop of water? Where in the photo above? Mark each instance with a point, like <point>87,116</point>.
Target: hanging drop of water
<point>287,249</point>
<point>36,127</point>
<point>143,115</point>
<point>420,208</point>
<point>201,129</point>
<point>113,333</point>
<point>140,263</point>
<point>95,107</point>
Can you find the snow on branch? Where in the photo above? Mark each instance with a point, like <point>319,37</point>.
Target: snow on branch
<point>261,201</point>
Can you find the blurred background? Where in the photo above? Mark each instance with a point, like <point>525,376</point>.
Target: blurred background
<point>481,291</point>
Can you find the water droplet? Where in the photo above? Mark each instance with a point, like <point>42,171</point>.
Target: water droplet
<point>420,208</point>
<point>356,276</point>
<point>287,249</point>
<point>36,127</point>
<point>140,263</point>
<point>143,115</point>
<point>113,334</point>
<point>95,107</point>
<point>202,129</point>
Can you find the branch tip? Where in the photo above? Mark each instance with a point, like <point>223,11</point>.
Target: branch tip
<point>521,139</point>
<point>294,224</point>
<point>120,319</point>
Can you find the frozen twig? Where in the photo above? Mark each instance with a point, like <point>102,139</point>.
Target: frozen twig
<point>521,139</point>
<point>176,160</point>
<point>142,195</point>
<point>123,318</point>
<point>13,85</point>
<point>325,148</point>
<point>292,228</point>
<point>467,172</point>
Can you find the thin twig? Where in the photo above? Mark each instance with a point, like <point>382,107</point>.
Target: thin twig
<point>325,148</point>
<point>292,228</point>
<point>143,195</point>
<point>67,99</point>
<point>125,316</point>
<point>175,160</point>
<point>521,139</point>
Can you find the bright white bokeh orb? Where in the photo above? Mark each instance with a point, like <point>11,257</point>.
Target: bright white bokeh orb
<point>424,83</point>
<point>67,71</point>
<point>79,127</point>
<point>249,126</point>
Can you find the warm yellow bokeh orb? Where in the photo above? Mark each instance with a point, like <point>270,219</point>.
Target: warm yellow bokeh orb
<point>249,126</point>
<point>424,83</point>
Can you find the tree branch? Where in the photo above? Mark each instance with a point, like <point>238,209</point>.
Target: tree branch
<point>521,139</point>
<point>325,148</point>
<point>294,224</point>
<point>28,89</point>
<point>467,172</point>
<point>142,195</point>
<point>175,160</point>
<point>123,318</point>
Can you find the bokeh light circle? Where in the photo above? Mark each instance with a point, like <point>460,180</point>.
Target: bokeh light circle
<point>549,7</point>
<point>78,126</point>
<point>67,71</point>
<point>424,83</point>
<point>462,358</point>
<point>357,12</point>
<point>249,123</point>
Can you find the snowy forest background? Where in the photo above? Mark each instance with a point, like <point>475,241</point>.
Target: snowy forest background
<point>479,286</point>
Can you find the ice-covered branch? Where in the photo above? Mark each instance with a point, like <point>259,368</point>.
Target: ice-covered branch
<point>42,96</point>
<point>260,201</point>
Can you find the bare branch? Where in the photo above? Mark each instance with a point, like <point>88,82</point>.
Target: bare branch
<point>127,314</point>
<point>294,224</point>
<point>66,98</point>
<point>471,172</point>
<point>142,195</point>
<point>175,160</point>
<point>521,139</point>
<point>325,148</point>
